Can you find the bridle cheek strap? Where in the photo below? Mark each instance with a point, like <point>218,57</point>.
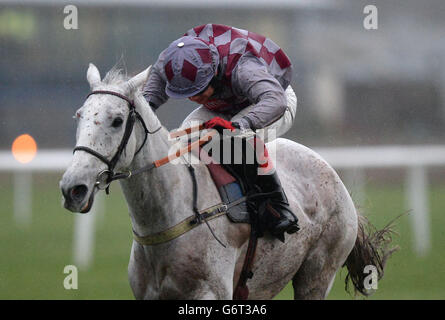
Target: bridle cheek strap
<point>132,116</point>
<point>127,133</point>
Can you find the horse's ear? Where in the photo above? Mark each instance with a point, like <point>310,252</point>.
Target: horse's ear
<point>93,76</point>
<point>138,80</point>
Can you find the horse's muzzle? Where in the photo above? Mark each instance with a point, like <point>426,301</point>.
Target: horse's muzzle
<point>76,198</point>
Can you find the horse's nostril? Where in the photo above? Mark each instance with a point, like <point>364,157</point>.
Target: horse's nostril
<point>78,193</point>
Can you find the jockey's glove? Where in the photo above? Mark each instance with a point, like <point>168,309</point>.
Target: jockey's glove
<point>220,124</point>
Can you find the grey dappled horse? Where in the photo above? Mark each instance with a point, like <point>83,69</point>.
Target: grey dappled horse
<point>195,265</point>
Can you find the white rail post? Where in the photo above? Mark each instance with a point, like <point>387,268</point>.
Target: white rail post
<point>355,180</point>
<point>22,198</point>
<point>83,239</point>
<point>84,232</point>
<point>100,202</point>
<point>417,200</point>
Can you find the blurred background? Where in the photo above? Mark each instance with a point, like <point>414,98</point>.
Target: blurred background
<point>371,101</point>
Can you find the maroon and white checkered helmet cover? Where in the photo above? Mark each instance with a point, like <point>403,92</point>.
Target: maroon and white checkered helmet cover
<point>190,63</point>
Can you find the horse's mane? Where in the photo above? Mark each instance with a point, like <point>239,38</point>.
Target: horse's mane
<point>116,75</point>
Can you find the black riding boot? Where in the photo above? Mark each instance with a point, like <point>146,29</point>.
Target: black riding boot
<point>280,217</point>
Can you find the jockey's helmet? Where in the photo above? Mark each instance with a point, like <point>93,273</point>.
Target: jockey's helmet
<point>190,63</point>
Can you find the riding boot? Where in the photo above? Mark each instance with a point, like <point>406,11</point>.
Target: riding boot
<point>280,217</point>
<point>273,208</point>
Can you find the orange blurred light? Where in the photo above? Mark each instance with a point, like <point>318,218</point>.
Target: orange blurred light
<point>24,148</point>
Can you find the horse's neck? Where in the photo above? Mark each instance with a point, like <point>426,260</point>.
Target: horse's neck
<point>155,198</point>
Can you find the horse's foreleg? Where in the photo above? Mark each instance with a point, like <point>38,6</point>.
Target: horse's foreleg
<point>138,271</point>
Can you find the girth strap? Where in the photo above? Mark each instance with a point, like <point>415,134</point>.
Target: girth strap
<point>187,224</point>
<point>179,229</point>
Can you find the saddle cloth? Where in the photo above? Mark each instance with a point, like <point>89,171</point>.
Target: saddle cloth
<point>230,190</point>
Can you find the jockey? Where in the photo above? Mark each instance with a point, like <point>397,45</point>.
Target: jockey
<point>241,81</point>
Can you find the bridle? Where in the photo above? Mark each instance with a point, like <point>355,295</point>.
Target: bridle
<point>105,177</point>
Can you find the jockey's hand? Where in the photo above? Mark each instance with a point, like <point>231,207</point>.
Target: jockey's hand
<point>220,124</point>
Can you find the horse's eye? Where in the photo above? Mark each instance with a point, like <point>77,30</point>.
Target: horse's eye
<point>117,122</point>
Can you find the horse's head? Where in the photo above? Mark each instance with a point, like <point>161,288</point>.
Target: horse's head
<point>105,141</point>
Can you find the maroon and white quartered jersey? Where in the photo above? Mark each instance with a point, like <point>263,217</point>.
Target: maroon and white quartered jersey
<point>252,70</point>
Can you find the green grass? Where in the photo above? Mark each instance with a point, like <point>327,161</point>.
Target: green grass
<point>407,276</point>
<point>33,258</point>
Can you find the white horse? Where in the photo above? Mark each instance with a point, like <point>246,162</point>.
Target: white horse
<point>194,265</point>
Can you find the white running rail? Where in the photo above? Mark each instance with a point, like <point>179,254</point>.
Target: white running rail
<point>415,159</point>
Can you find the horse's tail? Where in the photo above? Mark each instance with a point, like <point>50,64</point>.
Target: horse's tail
<point>371,249</point>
